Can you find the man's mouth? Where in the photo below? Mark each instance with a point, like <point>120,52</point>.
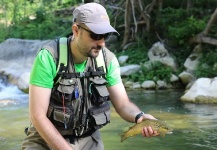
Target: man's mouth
<point>97,47</point>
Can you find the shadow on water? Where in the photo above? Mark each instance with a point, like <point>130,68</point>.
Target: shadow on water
<point>195,125</point>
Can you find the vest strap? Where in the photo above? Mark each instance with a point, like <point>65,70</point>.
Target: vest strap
<point>81,74</point>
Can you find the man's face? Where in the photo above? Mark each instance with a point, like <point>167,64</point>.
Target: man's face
<point>89,44</point>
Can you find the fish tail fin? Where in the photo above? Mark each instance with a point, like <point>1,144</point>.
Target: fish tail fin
<point>123,137</point>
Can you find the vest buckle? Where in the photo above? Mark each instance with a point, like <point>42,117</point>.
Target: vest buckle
<point>81,74</point>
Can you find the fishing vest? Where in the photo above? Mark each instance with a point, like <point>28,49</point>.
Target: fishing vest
<point>79,100</point>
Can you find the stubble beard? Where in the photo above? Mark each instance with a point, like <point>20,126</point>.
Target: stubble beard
<point>94,51</point>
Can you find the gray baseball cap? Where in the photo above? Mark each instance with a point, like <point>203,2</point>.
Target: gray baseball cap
<point>94,16</point>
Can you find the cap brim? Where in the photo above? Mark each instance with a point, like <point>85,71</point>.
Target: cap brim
<point>101,28</point>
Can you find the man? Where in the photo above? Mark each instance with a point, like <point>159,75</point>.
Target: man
<point>67,115</point>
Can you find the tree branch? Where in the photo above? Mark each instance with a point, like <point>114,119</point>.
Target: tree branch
<point>134,17</point>
<point>201,37</point>
<point>212,20</point>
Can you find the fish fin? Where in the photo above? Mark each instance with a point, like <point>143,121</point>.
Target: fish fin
<point>132,127</point>
<point>162,134</point>
<point>123,137</point>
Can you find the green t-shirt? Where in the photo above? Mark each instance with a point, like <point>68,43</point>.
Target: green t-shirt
<point>44,70</point>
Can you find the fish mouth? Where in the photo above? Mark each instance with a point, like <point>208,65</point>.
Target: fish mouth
<point>170,132</point>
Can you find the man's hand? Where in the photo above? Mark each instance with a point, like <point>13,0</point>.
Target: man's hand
<point>148,131</point>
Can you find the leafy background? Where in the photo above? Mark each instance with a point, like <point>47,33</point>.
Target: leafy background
<point>175,24</point>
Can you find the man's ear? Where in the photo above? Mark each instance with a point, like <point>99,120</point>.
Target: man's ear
<point>75,29</point>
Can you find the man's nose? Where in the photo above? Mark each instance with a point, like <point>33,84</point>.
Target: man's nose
<point>101,42</point>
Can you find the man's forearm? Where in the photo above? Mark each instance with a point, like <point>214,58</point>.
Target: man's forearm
<point>50,134</point>
<point>128,112</point>
<point>124,107</point>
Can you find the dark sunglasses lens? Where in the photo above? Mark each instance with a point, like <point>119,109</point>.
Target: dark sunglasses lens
<point>98,36</point>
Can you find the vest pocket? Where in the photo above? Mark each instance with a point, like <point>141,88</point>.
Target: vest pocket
<point>66,89</point>
<point>66,86</point>
<point>61,117</point>
<point>98,91</point>
<point>99,115</point>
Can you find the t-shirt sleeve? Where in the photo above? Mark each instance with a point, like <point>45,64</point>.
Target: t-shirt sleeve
<point>113,76</point>
<point>43,70</point>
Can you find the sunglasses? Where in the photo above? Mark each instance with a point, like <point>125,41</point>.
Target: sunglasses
<point>95,36</point>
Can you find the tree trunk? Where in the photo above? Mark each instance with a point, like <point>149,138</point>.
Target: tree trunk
<point>189,4</point>
<point>212,20</point>
<point>160,5</point>
<point>202,37</point>
<point>127,20</point>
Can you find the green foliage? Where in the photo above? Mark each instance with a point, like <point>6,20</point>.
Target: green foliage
<point>45,26</point>
<point>3,32</point>
<point>137,77</point>
<point>157,71</point>
<point>137,52</point>
<point>186,29</point>
<point>207,64</point>
<point>174,25</point>
<point>179,25</point>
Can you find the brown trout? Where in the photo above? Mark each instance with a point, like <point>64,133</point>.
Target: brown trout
<point>157,125</point>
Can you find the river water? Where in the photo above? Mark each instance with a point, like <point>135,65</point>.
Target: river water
<point>195,125</point>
